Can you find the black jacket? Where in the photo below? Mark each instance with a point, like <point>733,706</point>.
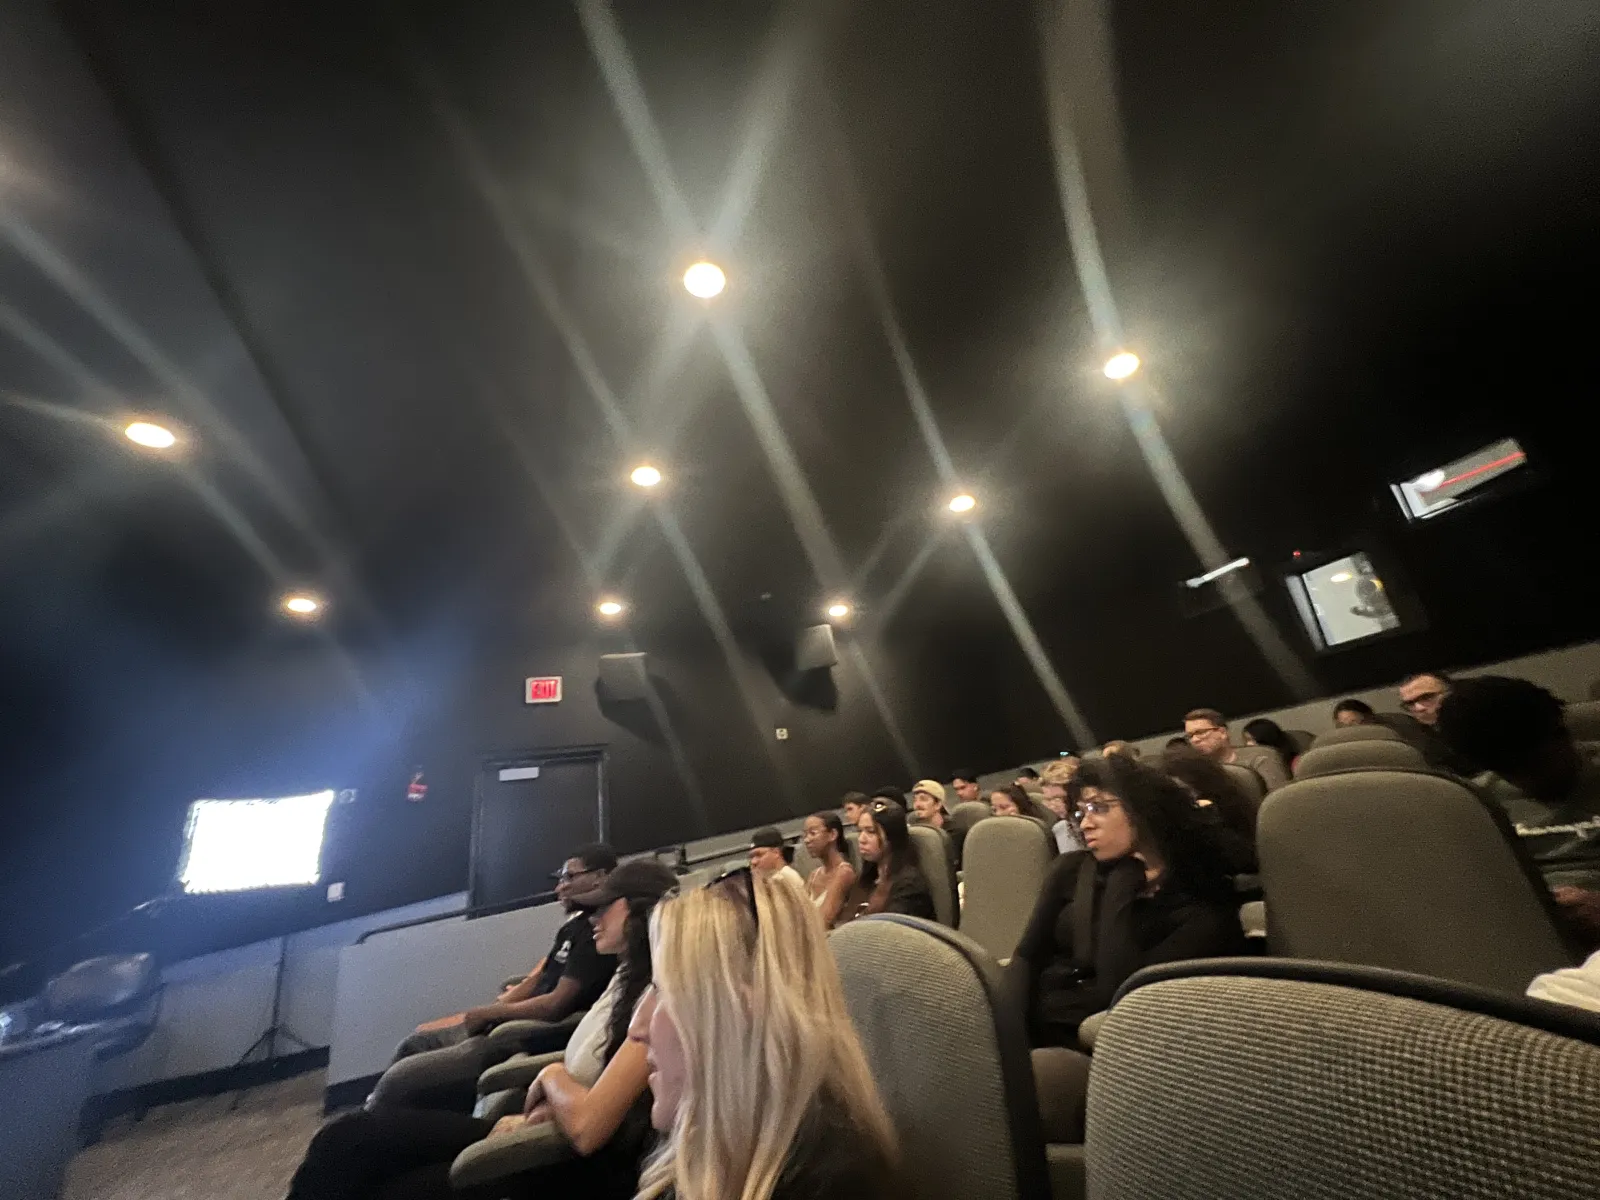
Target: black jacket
<point>1091,929</point>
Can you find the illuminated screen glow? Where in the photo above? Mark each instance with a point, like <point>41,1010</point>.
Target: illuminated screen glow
<point>237,845</point>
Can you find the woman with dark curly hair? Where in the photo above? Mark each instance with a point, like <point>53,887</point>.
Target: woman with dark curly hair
<point>1228,806</point>
<point>1154,886</point>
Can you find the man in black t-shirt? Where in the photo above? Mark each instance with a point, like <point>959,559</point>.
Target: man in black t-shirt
<point>443,1059</point>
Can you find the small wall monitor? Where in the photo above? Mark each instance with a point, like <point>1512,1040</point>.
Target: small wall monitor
<point>1442,488</point>
<point>1343,601</point>
<point>241,845</point>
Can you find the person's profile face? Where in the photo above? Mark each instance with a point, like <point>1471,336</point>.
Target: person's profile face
<point>576,877</point>
<point>816,838</point>
<point>653,1025</point>
<point>1003,805</point>
<point>871,843</point>
<point>608,923</point>
<point>1206,737</point>
<point>766,858</point>
<point>853,811</point>
<point>966,790</point>
<point>1107,832</point>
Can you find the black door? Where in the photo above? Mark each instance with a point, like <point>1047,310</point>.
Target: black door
<point>529,812</point>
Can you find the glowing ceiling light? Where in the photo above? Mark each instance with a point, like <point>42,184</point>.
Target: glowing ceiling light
<point>1428,482</point>
<point>609,608</point>
<point>299,604</point>
<point>151,435</point>
<point>838,610</point>
<point>1121,365</point>
<point>646,476</point>
<point>962,503</point>
<point>1341,577</point>
<point>705,280</point>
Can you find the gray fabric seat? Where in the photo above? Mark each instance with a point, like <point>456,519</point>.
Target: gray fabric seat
<point>1246,777</point>
<point>1006,861</point>
<point>1393,756</point>
<point>1583,720</point>
<point>936,857</point>
<point>960,822</point>
<point>1257,1079</point>
<point>949,1055</point>
<point>1407,870</point>
<point>1356,733</point>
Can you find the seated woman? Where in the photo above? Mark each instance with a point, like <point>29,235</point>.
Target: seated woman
<point>891,880</point>
<point>1012,801</point>
<point>596,1096</point>
<point>831,882</point>
<point>1227,804</point>
<point>1263,731</point>
<point>757,1077</point>
<point>1154,887</point>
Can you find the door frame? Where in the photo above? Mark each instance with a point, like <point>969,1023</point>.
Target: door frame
<point>531,758</point>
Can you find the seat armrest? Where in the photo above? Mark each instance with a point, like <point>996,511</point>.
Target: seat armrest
<point>518,1071</point>
<point>532,1036</point>
<point>1090,1029</point>
<point>506,1154</point>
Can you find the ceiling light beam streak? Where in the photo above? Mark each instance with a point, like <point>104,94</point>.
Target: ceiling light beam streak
<point>885,609</point>
<point>1065,708</point>
<point>857,657</point>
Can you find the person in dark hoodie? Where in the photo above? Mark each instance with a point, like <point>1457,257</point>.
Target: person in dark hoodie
<point>1152,886</point>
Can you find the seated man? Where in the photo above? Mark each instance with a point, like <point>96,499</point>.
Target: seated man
<point>771,856</point>
<point>927,802</point>
<point>1548,783</point>
<point>1207,731</point>
<point>567,980</point>
<point>1422,697</point>
<point>964,783</point>
<point>852,806</point>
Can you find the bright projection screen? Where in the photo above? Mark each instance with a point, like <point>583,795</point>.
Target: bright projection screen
<point>239,845</point>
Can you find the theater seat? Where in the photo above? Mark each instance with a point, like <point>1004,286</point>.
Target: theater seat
<point>1583,720</point>
<point>1393,756</point>
<point>960,822</point>
<point>950,1057</point>
<point>1406,870</point>
<point>1258,1079</point>
<point>1006,861</point>
<point>936,857</point>
<point>1356,733</point>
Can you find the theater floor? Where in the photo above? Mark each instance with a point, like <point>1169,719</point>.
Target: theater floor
<point>198,1150</point>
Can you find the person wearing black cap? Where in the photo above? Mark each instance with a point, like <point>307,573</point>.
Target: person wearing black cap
<point>598,1096</point>
<point>438,1066</point>
<point>771,856</point>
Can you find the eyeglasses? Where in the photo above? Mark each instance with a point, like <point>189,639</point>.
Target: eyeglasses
<point>1204,733</point>
<point>1097,808</point>
<point>748,890</point>
<point>566,876</point>
<point>1419,701</point>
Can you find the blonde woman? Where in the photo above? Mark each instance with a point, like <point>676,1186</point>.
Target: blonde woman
<point>756,1075</point>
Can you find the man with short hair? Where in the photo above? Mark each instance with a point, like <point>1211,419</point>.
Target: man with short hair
<point>1207,731</point>
<point>853,805</point>
<point>1421,696</point>
<point>964,782</point>
<point>771,855</point>
<point>444,1058</point>
<point>1547,782</point>
<point>1423,693</point>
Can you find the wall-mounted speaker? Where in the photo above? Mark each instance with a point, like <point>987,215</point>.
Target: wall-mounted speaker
<point>625,676</point>
<point>814,648</point>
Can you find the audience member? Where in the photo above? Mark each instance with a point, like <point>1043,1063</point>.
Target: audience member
<point>927,800</point>
<point>964,783</point>
<point>1178,740</point>
<point>597,1096</point>
<point>1027,779</point>
<point>1265,732</point>
<point>852,806</point>
<point>1421,697</point>
<point>1353,712</point>
<point>1215,790</point>
<point>1548,783</point>
<point>443,1059</point>
<point>1012,801</point>
<point>891,880</point>
<point>1422,694</point>
<point>1118,746</point>
<point>757,1077</point>
<point>892,794</point>
<point>771,855</point>
<point>1154,887</point>
<point>831,882</point>
<point>1057,777</point>
<point>1207,731</point>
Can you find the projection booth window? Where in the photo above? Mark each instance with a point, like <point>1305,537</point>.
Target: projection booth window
<point>1442,488</point>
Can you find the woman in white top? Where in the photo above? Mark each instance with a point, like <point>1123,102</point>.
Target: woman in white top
<point>831,882</point>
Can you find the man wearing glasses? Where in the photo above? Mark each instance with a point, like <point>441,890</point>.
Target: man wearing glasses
<point>1207,731</point>
<point>1421,695</point>
<point>567,980</point>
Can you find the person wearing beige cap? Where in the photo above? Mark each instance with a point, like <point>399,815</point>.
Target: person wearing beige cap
<point>927,800</point>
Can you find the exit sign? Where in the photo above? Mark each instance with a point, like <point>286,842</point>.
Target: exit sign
<point>543,689</point>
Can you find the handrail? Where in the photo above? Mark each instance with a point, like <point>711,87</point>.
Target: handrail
<point>489,911</point>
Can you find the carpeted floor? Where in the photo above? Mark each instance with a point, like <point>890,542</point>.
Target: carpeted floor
<point>198,1150</point>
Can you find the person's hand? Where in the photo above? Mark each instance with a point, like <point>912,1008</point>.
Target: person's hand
<point>535,1096</point>
<point>479,1019</point>
<point>542,1113</point>
<point>1581,907</point>
<point>440,1023</point>
<point>508,1124</point>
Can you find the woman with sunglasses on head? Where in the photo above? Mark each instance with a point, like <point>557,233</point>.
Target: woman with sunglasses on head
<point>891,880</point>
<point>831,882</point>
<point>597,1096</point>
<point>757,1077</point>
<point>1154,886</point>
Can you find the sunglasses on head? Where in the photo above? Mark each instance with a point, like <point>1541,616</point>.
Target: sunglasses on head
<point>748,891</point>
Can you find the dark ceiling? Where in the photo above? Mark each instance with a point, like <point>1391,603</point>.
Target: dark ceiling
<point>408,279</point>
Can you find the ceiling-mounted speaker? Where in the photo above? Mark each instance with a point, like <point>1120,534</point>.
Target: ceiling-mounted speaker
<point>625,676</point>
<point>814,649</point>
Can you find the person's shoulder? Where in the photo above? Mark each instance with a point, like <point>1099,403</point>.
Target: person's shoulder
<point>833,1158</point>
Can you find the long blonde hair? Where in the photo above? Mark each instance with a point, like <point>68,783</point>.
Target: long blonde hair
<point>761,1015</point>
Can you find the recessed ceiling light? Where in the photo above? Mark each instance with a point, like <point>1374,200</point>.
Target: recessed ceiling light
<point>838,610</point>
<point>705,280</point>
<point>609,608</point>
<point>646,476</point>
<point>300,604</point>
<point>151,435</point>
<point>962,503</point>
<point>1121,365</point>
